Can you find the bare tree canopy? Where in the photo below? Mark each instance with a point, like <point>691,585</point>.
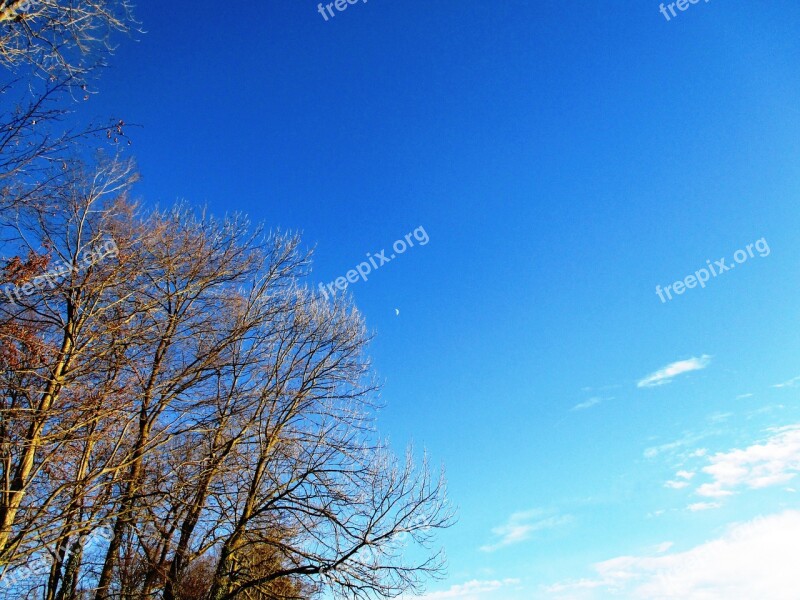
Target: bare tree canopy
<point>59,38</point>
<point>49,49</point>
<point>180,416</point>
<point>177,385</point>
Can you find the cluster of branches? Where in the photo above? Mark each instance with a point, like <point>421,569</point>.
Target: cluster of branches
<point>180,418</point>
<point>189,395</point>
<point>50,51</point>
<point>60,37</point>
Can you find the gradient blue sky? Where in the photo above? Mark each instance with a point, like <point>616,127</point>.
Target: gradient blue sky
<point>564,158</point>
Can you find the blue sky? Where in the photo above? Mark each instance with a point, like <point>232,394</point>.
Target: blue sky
<point>564,158</point>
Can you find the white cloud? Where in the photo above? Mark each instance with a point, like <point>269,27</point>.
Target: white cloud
<point>661,548</point>
<point>720,417</point>
<point>743,396</point>
<point>521,526</point>
<point>791,383</point>
<point>676,485</point>
<point>687,440</point>
<point>668,373</point>
<point>588,404</point>
<point>756,559</point>
<point>681,481</point>
<point>698,506</point>
<point>654,451</point>
<point>765,410</point>
<point>472,590</point>
<point>710,490</point>
<point>603,388</point>
<point>776,461</point>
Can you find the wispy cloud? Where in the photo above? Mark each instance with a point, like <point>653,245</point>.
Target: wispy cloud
<point>791,383</point>
<point>676,485</point>
<point>689,439</point>
<point>720,417</point>
<point>603,388</point>
<point>664,547</point>
<point>472,590</point>
<point>521,526</point>
<point>668,373</point>
<point>654,451</point>
<point>752,560</point>
<point>743,396</point>
<point>594,401</point>
<point>776,461</point>
<point>698,506</point>
<point>765,410</point>
<point>681,480</point>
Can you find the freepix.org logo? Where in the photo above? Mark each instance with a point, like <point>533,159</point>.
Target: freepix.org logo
<point>60,271</point>
<point>703,275</point>
<point>681,5</point>
<point>376,261</point>
<point>339,5</point>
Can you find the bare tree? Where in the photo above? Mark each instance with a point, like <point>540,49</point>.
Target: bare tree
<point>50,50</point>
<point>51,211</point>
<point>60,38</point>
<point>55,332</point>
<point>314,471</point>
<point>189,313</point>
<point>195,396</point>
<point>180,417</point>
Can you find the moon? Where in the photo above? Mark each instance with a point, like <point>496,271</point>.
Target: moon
<point>397,311</point>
